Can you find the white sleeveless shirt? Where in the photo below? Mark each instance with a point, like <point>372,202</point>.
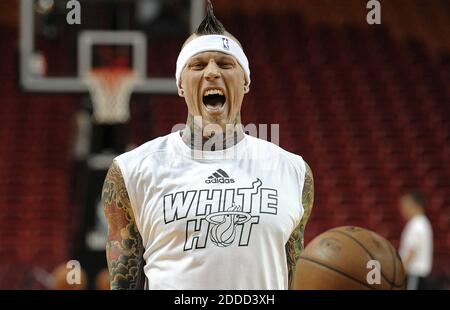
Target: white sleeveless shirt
<point>214,219</point>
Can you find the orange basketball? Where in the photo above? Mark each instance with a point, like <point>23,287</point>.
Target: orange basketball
<point>349,258</point>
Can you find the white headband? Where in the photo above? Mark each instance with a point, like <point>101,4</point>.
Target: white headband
<point>212,42</point>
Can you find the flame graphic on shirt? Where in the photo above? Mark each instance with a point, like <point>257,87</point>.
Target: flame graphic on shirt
<point>224,223</point>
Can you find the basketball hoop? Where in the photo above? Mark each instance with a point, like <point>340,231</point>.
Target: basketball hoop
<point>110,90</point>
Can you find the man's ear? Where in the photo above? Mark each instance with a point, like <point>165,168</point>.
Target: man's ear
<point>246,88</point>
<point>180,92</point>
<point>246,85</point>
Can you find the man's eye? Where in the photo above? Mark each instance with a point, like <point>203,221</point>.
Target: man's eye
<point>226,65</point>
<point>197,66</point>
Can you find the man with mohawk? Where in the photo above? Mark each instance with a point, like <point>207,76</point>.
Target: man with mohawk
<point>208,207</point>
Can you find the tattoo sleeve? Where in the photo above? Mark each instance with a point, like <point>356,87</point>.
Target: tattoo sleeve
<point>295,244</point>
<point>124,244</point>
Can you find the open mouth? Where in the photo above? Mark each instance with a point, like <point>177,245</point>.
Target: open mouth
<point>214,100</point>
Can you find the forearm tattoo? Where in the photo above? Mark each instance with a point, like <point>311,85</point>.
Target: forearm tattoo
<point>124,245</point>
<point>295,244</point>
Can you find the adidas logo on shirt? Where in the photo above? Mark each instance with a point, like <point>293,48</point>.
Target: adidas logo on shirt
<point>219,176</point>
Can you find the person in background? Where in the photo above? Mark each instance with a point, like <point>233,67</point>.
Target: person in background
<point>416,243</point>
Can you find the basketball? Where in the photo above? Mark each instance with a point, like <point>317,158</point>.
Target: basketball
<point>345,258</point>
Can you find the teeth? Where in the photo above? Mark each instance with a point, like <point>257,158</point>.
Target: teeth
<point>213,92</point>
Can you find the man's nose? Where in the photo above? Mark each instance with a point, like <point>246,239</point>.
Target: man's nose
<point>212,71</point>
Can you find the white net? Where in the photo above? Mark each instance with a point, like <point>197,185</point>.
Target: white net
<point>110,90</point>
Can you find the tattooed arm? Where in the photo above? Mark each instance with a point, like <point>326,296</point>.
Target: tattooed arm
<point>124,245</point>
<point>295,245</point>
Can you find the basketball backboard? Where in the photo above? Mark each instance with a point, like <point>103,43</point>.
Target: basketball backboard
<point>56,56</point>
